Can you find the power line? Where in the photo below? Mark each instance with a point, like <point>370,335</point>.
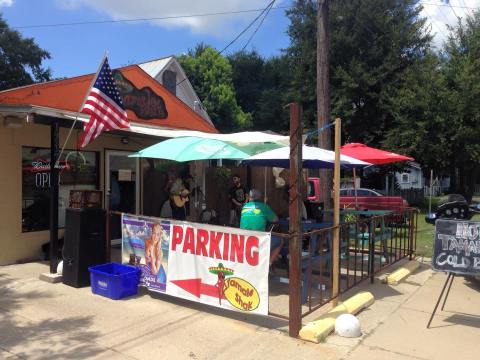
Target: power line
<point>432,23</point>
<point>269,6</point>
<point>248,27</point>
<point>440,10</point>
<point>448,5</point>
<point>454,13</point>
<point>258,27</point>
<point>98,22</point>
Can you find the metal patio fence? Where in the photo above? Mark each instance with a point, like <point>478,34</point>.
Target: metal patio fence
<point>367,246</point>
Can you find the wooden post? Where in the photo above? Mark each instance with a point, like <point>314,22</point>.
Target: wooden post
<point>336,214</point>
<point>295,224</point>
<point>323,98</point>
<point>54,147</point>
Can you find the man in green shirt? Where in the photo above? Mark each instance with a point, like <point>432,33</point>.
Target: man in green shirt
<point>255,215</point>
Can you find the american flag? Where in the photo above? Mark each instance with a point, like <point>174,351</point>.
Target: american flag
<point>105,107</point>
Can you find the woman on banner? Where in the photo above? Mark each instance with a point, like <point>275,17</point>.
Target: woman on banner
<point>154,253</point>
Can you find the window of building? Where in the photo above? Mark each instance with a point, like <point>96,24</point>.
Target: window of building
<point>169,80</point>
<point>78,170</point>
<point>405,178</point>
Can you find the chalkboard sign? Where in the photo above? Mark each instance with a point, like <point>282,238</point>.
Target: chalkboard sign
<point>457,247</point>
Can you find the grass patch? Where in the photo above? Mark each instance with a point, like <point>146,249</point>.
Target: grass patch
<point>426,234</point>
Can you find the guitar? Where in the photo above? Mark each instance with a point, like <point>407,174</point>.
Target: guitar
<point>182,199</point>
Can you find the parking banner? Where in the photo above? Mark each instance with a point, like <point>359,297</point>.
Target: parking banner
<point>215,265</point>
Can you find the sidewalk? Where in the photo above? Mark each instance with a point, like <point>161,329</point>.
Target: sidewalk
<point>454,332</point>
<point>45,321</point>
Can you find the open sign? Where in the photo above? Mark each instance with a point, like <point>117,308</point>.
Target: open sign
<point>42,179</point>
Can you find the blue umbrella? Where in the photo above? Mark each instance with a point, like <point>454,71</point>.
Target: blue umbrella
<point>313,158</point>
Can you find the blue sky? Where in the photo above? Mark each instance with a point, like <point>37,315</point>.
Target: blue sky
<point>77,50</point>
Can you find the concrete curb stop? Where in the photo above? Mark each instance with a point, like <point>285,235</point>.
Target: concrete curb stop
<point>320,328</point>
<point>51,278</point>
<point>401,273</point>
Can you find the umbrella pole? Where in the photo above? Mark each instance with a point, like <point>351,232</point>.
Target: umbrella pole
<point>355,187</point>
<point>430,198</point>
<point>265,184</point>
<point>336,216</point>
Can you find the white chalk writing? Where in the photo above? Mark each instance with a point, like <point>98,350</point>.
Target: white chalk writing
<point>468,231</point>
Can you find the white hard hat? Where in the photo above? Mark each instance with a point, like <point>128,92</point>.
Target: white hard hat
<point>347,325</point>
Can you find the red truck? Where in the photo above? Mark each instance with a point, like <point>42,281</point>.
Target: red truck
<point>366,199</point>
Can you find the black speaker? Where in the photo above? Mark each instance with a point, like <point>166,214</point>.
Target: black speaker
<point>84,244</point>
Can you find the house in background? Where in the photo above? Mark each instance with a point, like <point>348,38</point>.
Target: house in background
<point>169,73</point>
<point>411,177</point>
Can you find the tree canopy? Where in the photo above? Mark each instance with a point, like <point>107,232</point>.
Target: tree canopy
<point>20,59</point>
<point>211,75</point>
<point>443,98</point>
<point>373,45</point>
<point>390,87</point>
<point>262,87</point>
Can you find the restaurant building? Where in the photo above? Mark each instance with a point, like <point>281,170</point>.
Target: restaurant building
<point>26,117</point>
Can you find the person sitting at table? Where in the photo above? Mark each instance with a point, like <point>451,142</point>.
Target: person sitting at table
<point>255,215</point>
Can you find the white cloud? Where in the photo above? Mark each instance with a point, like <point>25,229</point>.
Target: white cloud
<point>221,25</point>
<point>6,3</point>
<point>439,15</point>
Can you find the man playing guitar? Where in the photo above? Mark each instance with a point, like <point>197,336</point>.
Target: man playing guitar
<point>178,198</point>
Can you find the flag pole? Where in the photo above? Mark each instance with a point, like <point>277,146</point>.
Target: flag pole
<point>81,107</point>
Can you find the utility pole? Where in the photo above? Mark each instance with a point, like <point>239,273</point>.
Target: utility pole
<point>323,98</point>
<point>295,223</point>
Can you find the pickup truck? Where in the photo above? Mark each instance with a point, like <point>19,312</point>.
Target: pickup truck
<point>366,199</point>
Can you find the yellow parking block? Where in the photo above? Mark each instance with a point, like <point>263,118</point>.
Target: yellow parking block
<point>401,273</point>
<point>319,329</point>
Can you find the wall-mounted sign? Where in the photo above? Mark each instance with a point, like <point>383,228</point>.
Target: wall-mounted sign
<point>145,103</point>
<point>125,175</point>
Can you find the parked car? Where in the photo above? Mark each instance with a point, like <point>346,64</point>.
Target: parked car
<point>360,192</point>
<point>366,199</point>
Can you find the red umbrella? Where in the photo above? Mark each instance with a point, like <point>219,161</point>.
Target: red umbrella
<point>371,155</point>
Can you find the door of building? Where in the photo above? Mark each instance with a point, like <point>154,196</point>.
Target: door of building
<point>122,188</point>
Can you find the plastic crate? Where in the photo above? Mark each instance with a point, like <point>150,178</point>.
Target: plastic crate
<point>115,281</point>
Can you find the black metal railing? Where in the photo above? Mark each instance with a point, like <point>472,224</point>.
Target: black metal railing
<point>367,246</point>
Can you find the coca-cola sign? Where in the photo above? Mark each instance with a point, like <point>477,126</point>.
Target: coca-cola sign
<point>144,102</point>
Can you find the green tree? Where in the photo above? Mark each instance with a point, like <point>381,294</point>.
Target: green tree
<point>438,115</point>
<point>420,123</point>
<point>248,78</point>
<point>462,74</point>
<point>262,88</point>
<point>211,75</point>
<point>20,59</point>
<point>302,56</point>
<point>373,44</point>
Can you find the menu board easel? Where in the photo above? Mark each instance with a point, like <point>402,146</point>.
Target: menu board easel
<point>456,251</point>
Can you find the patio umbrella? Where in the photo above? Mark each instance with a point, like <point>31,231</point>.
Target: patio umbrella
<point>313,158</point>
<point>372,155</point>
<point>192,148</point>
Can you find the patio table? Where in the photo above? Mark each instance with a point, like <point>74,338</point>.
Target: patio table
<point>382,236</point>
<point>308,257</point>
